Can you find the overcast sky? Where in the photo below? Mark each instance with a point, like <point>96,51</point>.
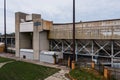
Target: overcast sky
<point>60,11</point>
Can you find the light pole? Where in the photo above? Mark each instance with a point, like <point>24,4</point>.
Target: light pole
<point>73,30</point>
<point>5,25</point>
<point>73,61</point>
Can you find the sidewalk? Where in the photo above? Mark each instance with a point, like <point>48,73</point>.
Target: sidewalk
<point>57,76</point>
<point>3,63</point>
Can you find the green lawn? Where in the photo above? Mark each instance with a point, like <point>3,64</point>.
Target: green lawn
<point>5,59</point>
<point>83,74</point>
<point>19,70</point>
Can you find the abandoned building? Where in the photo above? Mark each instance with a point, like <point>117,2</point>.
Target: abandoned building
<point>94,39</point>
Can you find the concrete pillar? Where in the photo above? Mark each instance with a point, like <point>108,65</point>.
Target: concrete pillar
<point>18,17</point>
<point>93,65</point>
<point>40,42</point>
<point>76,50</point>
<point>55,59</point>
<point>92,49</point>
<point>36,18</point>
<point>36,43</point>
<point>106,73</point>
<point>69,62</point>
<point>73,65</point>
<point>112,51</point>
<point>40,37</point>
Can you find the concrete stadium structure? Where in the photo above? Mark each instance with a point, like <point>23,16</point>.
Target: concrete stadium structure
<point>93,38</point>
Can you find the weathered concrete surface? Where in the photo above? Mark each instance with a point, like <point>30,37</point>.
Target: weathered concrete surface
<point>44,42</point>
<point>18,17</point>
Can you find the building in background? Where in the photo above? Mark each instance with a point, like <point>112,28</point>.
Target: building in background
<point>95,40</point>
<point>10,39</point>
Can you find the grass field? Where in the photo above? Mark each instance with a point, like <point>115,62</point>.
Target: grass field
<point>5,59</point>
<point>84,74</point>
<point>19,70</point>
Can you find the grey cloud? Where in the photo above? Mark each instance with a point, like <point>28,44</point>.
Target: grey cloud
<point>60,11</point>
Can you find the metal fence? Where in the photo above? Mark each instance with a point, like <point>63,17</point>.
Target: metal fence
<point>99,67</point>
<point>82,62</point>
<point>114,74</point>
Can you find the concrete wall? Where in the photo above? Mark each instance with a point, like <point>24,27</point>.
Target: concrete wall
<point>44,42</point>
<point>25,41</point>
<point>105,29</point>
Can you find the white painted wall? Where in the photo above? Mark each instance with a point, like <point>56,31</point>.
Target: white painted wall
<point>26,52</point>
<point>26,27</point>
<point>47,56</point>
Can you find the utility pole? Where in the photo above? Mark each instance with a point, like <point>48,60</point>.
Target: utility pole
<point>5,25</point>
<point>73,61</point>
<point>73,30</point>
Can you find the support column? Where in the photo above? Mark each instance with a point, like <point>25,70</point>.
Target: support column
<point>92,49</point>
<point>69,61</point>
<point>62,47</point>
<point>36,43</point>
<point>93,65</point>
<point>6,42</point>
<point>36,40</point>
<point>73,65</point>
<point>18,17</point>
<point>112,51</point>
<point>76,50</point>
<point>106,73</point>
<point>51,45</point>
<point>11,42</point>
